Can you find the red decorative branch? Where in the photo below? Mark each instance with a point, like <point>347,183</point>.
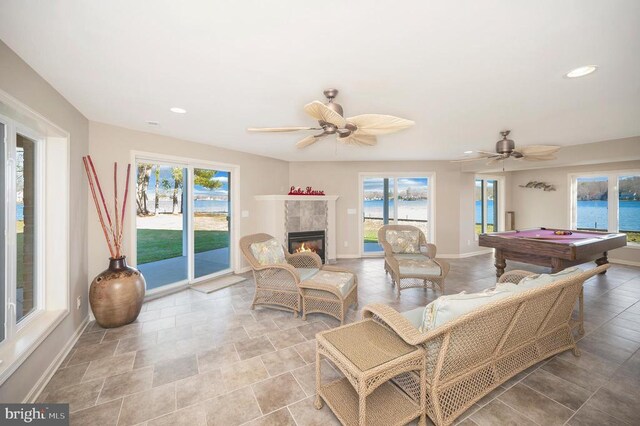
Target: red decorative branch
<point>113,235</point>
<point>86,160</point>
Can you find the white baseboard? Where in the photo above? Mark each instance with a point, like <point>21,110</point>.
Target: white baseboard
<point>242,270</point>
<point>624,262</point>
<point>34,393</point>
<point>464,255</point>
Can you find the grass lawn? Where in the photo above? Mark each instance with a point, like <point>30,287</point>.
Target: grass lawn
<point>160,244</point>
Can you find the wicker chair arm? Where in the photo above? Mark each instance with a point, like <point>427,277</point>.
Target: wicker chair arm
<point>444,265</point>
<point>514,276</point>
<point>431,250</point>
<point>305,259</point>
<point>394,320</point>
<point>283,266</point>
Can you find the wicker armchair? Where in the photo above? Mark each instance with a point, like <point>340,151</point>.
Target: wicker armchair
<point>468,357</point>
<point>282,285</point>
<point>416,274</point>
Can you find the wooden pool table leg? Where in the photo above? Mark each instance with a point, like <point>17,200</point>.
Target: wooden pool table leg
<point>500,264</point>
<point>556,265</point>
<point>602,261</point>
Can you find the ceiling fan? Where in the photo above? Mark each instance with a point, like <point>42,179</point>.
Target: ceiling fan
<point>506,148</point>
<point>359,130</point>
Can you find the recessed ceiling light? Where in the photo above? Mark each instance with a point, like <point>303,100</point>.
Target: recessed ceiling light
<point>468,152</point>
<point>581,71</point>
<point>152,123</point>
<point>178,110</point>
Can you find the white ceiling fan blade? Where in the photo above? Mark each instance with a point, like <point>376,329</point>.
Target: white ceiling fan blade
<point>280,129</point>
<point>321,112</point>
<point>539,157</point>
<point>359,139</point>
<point>378,124</point>
<point>539,150</point>
<point>465,160</point>
<point>309,140</point>
<point>495,160</point>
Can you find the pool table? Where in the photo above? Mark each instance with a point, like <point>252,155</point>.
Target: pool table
<point>541,246</point>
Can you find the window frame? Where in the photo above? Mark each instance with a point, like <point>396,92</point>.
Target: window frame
<point>613,203</point>
<point>499,209</point>
<point>431,183</point>
<point>12,325</point>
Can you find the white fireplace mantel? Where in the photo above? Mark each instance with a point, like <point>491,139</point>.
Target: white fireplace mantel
<point>271,217</point>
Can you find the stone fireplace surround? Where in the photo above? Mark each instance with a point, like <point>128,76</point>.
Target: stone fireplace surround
<point>280,214</point>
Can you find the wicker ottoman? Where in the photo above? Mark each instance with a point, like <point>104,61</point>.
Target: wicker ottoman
<point>331,291</point>
<point>369,355</point>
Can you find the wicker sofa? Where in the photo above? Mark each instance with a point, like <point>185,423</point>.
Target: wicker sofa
<point>302,284</point>
<point>412,269</point>
<point>468,357</point>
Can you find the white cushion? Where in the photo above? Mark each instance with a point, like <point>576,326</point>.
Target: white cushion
<point>417,264</point>
<point>343,281</point>
<point>268,252</point>
<point>538,280</point>
<point>447,308</point>
<point>414,316</point>
<point>306,273</point>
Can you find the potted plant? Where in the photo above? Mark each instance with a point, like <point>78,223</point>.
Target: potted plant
<point>116,294</point>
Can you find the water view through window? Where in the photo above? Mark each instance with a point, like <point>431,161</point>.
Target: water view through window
<point>380,208</point>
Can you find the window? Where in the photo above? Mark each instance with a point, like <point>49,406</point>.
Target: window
<point>183,226</point>
<point>487,205</point>
<point>21,282</point>
<point>34,254</point>
<point>607,201</point>
<point>401,199</point>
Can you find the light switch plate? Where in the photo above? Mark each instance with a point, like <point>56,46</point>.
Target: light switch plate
<point>351,211</point>
<point>245,213</point>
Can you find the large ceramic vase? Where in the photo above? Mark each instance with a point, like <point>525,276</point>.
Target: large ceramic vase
<point>116,294</point>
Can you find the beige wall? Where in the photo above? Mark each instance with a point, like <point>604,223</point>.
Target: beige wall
<point>454,198</point>
<point>535,208</point>
<point>22,83</point>
<point>258,175</point>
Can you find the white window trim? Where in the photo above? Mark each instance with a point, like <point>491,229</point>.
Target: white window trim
<point>53,259</point>
<point>234,236</point>
<point>431,176</point>
<point>613,214</point>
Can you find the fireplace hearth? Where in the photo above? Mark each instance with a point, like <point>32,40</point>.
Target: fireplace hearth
<point>314,241</point>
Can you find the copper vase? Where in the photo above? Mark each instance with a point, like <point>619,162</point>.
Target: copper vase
<point>116,294</point>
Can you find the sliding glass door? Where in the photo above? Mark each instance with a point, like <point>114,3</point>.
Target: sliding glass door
<point>393,199</point>
<point>182,222</point>
<point>211,221</point>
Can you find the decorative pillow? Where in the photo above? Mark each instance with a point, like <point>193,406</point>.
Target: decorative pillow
<point>268,252</point>
<point>538,280</point>
<point>447,308</point>
<point>407,241</point>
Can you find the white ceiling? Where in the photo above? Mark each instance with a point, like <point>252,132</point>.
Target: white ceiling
<point>461,70</point>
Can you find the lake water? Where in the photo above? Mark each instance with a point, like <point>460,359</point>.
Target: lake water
<point>590,213</point>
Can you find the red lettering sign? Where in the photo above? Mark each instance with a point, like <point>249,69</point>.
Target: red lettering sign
<point>307,191</point>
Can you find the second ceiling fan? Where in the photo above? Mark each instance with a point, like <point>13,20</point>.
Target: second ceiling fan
<point>506,148</point>
<point>358,130</point>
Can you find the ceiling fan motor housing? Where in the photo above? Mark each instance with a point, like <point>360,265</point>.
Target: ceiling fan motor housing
<point>505,146</point>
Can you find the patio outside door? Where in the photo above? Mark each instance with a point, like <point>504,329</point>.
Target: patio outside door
<point>182,222</point>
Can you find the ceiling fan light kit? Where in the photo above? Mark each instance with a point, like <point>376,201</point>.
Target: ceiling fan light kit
<point>359,130</point>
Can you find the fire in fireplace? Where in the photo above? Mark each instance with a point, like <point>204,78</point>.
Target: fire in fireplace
<point>307,241</point>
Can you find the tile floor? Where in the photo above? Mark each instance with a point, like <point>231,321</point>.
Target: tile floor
<point>198,359</point>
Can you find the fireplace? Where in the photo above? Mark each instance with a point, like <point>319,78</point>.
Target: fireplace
<point>307,241</point>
